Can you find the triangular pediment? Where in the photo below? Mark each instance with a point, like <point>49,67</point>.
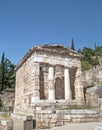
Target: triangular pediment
<point>57,47</point>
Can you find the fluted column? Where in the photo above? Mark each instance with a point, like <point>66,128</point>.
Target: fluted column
<point>67,84</point>
<point>51,91</point>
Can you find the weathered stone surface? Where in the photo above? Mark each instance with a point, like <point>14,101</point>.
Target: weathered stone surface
<point>46,75</point>
<point>92,82</point>
<point>6,124</point>
<point>34,81</point>
<point>61,117</point>
<point>23,125</point>
<point>93,77</point>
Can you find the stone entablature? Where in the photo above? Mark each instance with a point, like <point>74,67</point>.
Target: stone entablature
<point>49,72</point>
<point>50,50</point>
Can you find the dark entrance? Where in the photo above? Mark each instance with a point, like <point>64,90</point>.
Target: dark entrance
<point>59,88</point>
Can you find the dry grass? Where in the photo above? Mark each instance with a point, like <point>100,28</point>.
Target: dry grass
<point>4,116</point>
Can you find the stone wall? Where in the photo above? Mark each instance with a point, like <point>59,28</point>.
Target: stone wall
<point>93,76</point>
<point>51,118</point>
<point>92,96</point>
<point>26,87</point>
<point>92,81</point>
<point>8,100</point>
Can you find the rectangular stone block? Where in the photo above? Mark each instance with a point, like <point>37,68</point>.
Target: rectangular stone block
<point>59,123</point>
<point>21,117</point>
<point>23,125</point>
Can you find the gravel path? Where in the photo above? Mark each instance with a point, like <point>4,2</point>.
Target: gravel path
<point>78,126</point>
<point>75,126</point>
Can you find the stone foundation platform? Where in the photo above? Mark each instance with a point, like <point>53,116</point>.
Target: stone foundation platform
<point>50,118</point>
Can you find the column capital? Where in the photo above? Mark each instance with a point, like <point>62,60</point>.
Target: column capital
<point>51,65</point>
<point>59,65</point>
<point>66,67</point>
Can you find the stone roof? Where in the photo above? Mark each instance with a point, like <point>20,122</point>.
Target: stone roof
<point>51,48</point>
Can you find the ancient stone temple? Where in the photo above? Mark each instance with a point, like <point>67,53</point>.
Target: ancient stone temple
<point>47,73</point>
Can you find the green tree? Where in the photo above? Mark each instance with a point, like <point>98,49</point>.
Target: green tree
<point>2,68</point>
<point>95,61</point>
<point>95,46</point>
<point>10,74</point>
<point>79,51</point>
<point>72,45</point>
<point>7,74</point>
<point>90,58</point>
<point>98,51</point>
<point>85,65</point>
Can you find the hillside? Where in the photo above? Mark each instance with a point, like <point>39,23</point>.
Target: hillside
<point>100,60</point>
<point>91,57</point>
<point>7,98</point>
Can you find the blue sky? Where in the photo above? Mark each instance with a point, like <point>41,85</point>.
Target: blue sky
<point>24,23</point>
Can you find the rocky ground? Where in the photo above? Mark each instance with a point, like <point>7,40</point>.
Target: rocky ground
<point>7,98</point>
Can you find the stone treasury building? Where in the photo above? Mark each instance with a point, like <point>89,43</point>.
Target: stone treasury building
<point>47,74</point>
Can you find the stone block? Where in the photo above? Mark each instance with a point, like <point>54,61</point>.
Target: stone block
<point>6,124</point>
<point>59,123</point>
<point>67,117</point>
<point>23,124</point>
<point>54,116</point>
<point>38,108</point>
<point>21,117</point>
<point>76,120</point>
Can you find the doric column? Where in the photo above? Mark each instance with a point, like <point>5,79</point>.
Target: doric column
<point>51,91</point>
<point>67,84</point>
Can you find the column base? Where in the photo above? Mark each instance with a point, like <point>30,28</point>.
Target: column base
<point>35,99</point>
<point>51,95</point>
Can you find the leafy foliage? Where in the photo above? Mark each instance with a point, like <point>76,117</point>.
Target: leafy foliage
<point>7,74</point>
<point>85,65</point>
<point>98,51</point>
<point>90,58</point>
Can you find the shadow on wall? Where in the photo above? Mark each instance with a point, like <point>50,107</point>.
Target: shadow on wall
<point>59,88</point>
<point>72,73</point>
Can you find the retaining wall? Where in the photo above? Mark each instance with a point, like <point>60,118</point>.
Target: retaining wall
<point>51,118</point>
